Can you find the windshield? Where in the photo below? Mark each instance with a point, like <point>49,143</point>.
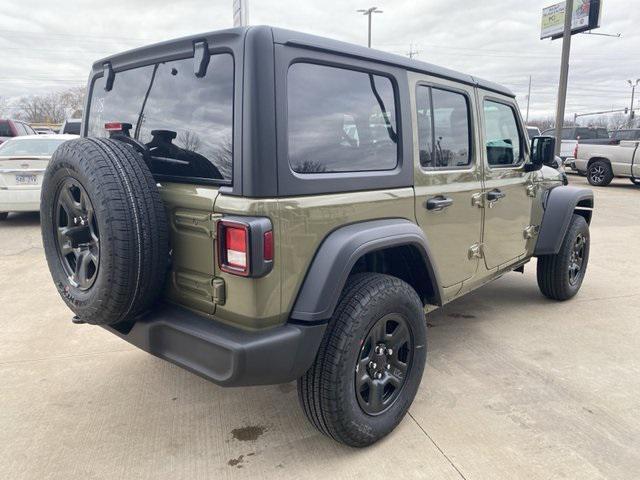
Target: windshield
<point>186,122</point>
<point>33,147</point>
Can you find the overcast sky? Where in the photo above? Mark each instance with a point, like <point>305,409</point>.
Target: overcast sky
<point>46,44</point>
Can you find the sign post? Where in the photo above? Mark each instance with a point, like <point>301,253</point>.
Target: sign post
<point>561,21</point>
<point>240,13</point>
<point>564,76</point>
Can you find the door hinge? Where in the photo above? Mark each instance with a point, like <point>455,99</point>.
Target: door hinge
<point>477,200</point>
<point>531,231</point>
<point>219,291</point>
<point>196,221</point>
<point>476,251</point>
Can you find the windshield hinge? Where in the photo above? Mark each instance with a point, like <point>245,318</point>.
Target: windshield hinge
<point>109,76</point>
<point>200,58</point>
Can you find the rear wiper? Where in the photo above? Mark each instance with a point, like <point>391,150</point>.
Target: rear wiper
<point>144,103</point>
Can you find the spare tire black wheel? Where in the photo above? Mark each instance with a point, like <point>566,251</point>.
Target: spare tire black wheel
<point>104,229</point>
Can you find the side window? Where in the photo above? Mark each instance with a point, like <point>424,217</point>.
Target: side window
<point>340,120</point>
<point>502,136</point>
<point>444,133</point>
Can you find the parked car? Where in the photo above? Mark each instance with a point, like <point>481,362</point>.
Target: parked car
<point>22,164</point>
<point>71,126</point>
<point>14,128</point>
<point>533,131</point>
<point>571,135</point>
<point>602,163</point>
<point>258,226</point>
<point>43,130</point>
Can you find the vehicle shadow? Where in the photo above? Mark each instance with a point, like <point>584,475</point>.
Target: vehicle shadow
<point>21,219</point>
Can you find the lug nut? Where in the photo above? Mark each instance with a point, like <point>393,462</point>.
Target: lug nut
<point>389,351</point>
<point>388,366</point>
<point>379,375</point>
<point>373,365</point>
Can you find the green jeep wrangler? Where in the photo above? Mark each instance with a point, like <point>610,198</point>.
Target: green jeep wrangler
<point>258,206</point>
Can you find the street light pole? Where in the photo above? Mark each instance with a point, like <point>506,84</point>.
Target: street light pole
<point>633,94</point>
<point>528,99</point>
<point>369,12</point>
<point>564,73</point>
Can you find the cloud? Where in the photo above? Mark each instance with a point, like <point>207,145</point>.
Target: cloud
<point>49,45</point>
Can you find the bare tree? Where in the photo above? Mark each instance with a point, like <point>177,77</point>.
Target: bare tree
<point>54,107</point>
<point>189,140</point>
<point>4,107</point>
<point>618,120</point>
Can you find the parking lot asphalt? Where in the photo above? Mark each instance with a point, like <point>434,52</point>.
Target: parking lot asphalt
<point>516,386</point>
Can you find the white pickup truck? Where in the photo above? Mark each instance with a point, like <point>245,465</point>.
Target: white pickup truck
<point>601,163</point>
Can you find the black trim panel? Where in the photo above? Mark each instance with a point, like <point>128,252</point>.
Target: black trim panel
<point>559,207</point>
<point>338,254</point>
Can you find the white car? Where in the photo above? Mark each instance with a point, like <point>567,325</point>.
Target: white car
<point>23,161</point>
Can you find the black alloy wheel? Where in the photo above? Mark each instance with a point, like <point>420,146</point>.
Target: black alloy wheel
<point>576,259</point>
<point>76,233</point>
<point>383,364</point>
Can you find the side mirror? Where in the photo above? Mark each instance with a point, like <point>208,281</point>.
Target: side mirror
<point>542,153</point>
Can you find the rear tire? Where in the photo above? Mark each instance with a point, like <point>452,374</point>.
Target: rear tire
<point>3,216</point>
<point>349,393</point>
<point>104,230</point>
<point>560,276</point>
<point>599,174</point>
<point>635,181</point>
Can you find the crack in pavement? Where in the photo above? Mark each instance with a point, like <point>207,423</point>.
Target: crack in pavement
<point>438,447</point>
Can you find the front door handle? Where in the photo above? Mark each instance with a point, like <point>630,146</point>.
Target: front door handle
<point>495,195</point>
<point>438,203</point>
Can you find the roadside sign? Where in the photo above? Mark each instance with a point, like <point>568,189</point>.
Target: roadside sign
<point>586,16</point>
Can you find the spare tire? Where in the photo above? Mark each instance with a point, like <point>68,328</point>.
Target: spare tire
<point>104,229</point>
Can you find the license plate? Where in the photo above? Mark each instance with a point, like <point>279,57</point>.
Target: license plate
<point>26,179</point>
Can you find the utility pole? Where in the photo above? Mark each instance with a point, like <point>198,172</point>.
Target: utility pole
<point>412,53</point>
<point>528,99</point>
<point>564,73</point>
<point>633,94</point>
<point>240,13</point>
<point>369,12</point>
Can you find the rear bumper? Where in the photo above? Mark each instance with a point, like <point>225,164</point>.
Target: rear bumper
<point>225,355</point>
<point>19,199</point>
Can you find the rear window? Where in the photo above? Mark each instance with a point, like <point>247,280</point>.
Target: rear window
<point>72,127</point>
<point>590,133</point>
<point>35,147</point>
<point>185,121</point>
<point>340,120</point>
<point>625,134</point>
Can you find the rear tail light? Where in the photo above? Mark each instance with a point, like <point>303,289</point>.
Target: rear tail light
<point>245,246</point>
<point>234,248</point>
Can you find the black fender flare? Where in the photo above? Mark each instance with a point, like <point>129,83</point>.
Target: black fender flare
<point>559,206</point>
<point>338,253</point>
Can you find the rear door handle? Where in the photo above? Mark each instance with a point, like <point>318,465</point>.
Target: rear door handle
<point>495,195</point>
<point>438,203</point>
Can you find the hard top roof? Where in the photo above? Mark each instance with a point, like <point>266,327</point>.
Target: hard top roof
<point>304,40</point>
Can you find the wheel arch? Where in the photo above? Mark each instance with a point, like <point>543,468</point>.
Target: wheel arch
<point>596,159</point>
<point>559,206</point>
<point>394,246</point>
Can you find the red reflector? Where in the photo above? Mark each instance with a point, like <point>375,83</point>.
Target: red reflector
<point>113,126</point>
<point>268,245</point>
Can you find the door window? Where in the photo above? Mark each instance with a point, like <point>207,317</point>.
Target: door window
<point>444,134</point>
<point>502,135</point>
